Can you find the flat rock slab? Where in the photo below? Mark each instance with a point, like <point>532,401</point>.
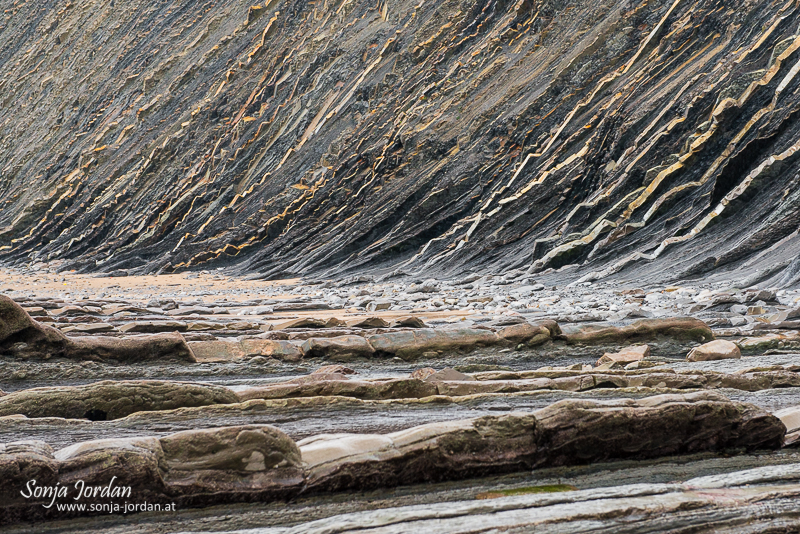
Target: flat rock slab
<point>144,348</point>
<point>153,327</point>
<point>731,507</point>
<point>680,328</point>
<point>340,348</point>
<point>300,306</point>
<point>112,400</point>
<point>627,355</point>
<point>565,433</point>
<point>410,344</point>
<point>790,417</point>
<point>88,328</point>
<point>223,350</point>
<point>21,336</point>
<point>397,388</point>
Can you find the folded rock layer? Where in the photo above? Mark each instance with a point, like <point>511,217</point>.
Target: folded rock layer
<point>297,138</point>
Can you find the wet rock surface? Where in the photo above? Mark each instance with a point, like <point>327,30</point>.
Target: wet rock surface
<point>385,397</point>
<point>111,400</point>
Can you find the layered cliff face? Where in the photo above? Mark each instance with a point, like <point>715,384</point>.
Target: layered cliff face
<point>654,139</point>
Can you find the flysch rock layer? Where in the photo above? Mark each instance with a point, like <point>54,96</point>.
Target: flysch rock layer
<point>730,503</point>
<point>153,136</point>
<point>245,463</point>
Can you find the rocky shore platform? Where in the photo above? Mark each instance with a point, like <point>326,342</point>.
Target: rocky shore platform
<point>483,404</point>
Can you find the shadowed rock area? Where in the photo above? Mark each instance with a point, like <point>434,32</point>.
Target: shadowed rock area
<point>653,140</point>
<point>332,266</point>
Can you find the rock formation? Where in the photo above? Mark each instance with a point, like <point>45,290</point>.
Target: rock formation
<point>656,140</point>
<point>246,463</point>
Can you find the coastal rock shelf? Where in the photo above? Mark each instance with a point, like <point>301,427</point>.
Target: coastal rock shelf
<point>316,400</point>
<point>246,463</point>
<point>297,138</point>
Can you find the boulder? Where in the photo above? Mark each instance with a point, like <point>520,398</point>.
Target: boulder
<point>410,344</point>
<point>17,327</point>
<point>428,453</point>
<point>627,355</point>
<point>409,322</point>
<point>680,328</point>
<point>531,334</point>
<point>340,348</point>
<point>719,349</point>
<point>112,400</point>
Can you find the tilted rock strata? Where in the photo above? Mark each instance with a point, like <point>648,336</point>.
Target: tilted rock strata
<point>512,382</point>
<point>433,452</point>
<point>24,337</point>
<point>299,138</point>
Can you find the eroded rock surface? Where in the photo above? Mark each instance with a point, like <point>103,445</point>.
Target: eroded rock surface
<point>22,336</point>
<point>111,400</point>
<point>610,136</point>
<point>479,346</point>
<point>258,462</point>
